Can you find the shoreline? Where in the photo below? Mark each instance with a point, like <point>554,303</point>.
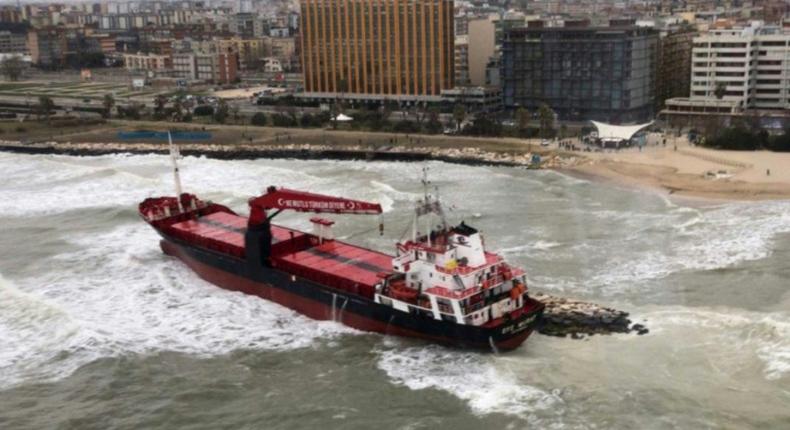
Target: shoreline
<point>669,182</point>
<point>678,175</point>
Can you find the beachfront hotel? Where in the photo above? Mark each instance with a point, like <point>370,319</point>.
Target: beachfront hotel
<point>399,50</point>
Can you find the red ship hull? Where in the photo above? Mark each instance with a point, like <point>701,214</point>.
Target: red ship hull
<point>320,310</point>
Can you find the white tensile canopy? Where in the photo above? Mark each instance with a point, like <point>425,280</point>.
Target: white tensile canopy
<point>617,133</point>
<point>342,118</point>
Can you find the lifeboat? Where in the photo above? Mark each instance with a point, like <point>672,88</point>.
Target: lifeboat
<point>398,290</point>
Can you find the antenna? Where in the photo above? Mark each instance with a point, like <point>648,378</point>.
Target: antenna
<point>425,182</point>
<point>174,155</point>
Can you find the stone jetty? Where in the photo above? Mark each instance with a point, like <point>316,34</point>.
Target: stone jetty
<point>577,319</point>
<point>242,151</point>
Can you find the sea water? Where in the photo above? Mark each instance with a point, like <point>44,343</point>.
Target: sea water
<point>99,329</point>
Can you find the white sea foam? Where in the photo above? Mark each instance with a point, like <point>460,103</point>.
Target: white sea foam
<point>483,381</point>
<point>704,240</point>
<point>118,294</point>
<point>733,330</point>
<point>538,245</point>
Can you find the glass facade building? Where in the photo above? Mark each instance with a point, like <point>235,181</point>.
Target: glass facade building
<point>605,74</point>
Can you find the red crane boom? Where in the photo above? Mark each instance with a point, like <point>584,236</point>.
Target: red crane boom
<point>301,201</point>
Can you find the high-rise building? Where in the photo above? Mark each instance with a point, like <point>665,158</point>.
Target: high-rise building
<point>372,50</point>
<point>582,73</point>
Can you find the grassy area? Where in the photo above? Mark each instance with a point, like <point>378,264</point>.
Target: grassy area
<point>37,130</point>
<point>10,86</point>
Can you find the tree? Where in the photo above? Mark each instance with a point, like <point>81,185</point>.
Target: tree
<point>434,125</point>
<point>204,110</point>
<point>160,103</point>
<point>178,108</point>
<point>12,67</point>
<point>459,114</point>
<point>235,110</point>
<point>45,107</point>
<point>406,126</point>
<point>221,113</point>
<point>721,90</point>
<point>258,119</point>
<point>108,102</point>
<point>280,120</point>
<point>484,125</point>
<point>132,111</point>
<point>308,120</point>
<point>546,116</point>
<point>522,120</point>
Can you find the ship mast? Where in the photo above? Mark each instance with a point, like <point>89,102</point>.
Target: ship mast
<point>174,155</point>
<point>425,207</point>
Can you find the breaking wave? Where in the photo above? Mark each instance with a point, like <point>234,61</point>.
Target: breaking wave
<point>483,381</point>
<point>730,335</point>
<point>119,294</point>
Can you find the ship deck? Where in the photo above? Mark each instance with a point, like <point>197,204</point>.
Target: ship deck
<point>333,263</point>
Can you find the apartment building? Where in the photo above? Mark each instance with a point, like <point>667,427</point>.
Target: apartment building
<point>13,40</point>
<point>372,50</point>
<point>461,59</point>
<point>250,51</point>
<point>749,67</point>
<point>154,63</point>
<point>47,47</point>
<point>215,67</point>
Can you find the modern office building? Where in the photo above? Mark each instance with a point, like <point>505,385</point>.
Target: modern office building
<point>373,50</point>
<point>582,73</point>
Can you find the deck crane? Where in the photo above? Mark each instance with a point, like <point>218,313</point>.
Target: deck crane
<point>258,239</point>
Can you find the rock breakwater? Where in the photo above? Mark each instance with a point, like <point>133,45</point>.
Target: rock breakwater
<point>469,155</point>
<point>567,317</point>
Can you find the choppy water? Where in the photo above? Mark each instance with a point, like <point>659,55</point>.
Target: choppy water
<point>98,329</point>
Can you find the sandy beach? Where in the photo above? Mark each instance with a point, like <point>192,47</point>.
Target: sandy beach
<point>693,171</point>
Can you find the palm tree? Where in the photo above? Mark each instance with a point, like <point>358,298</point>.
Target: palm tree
<point>108,103</point>
<point>45,107</point>
<point>546,120</point>
<point>459,114</point>
<point>522,119</point>
<point>721,90</point>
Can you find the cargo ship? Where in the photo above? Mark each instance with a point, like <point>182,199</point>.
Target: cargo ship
<point>442,285</point>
